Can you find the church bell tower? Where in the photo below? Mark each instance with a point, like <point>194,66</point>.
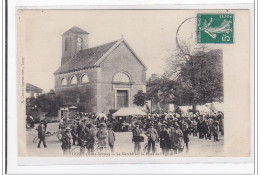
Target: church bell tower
<point>73,40</point>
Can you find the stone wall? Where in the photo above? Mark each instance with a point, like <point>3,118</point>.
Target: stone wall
<point>85,91</point>
<point>99,94</point>
<point>121,59</point>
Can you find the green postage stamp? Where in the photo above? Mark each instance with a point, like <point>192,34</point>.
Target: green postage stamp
<point>215,28</point>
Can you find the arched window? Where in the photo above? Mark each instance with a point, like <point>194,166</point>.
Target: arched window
<point>73,80</point>
<point>63,82</point>
<point>121,77</point>
<point>84,78</point>
<point>66,44</point>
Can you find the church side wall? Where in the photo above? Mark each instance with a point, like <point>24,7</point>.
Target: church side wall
<point>121,59</point>
<point>87,92</point>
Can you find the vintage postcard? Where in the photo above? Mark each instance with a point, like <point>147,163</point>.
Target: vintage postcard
<point>133,83</point>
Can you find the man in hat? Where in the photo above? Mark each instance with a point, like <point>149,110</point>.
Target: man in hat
<point>90,138</point>
<point>65,139</point>
<point>210,126</point>
<point>215,129</point>
<point>172,135</point>
<point>186,138</point>
<point>164,139</point>
<point>194,127</point>
<point>178,142</point>
<point>200,127</point>
<point>45,124</point>
<point>221,125</point>
<point>41,134</point>
<point>111,138</point>
<point>206,128</point>
<point>136,138</point>
<point>102,135</point>
<point>74,132</point>
<point>152,135</point>
<point>80,132</point>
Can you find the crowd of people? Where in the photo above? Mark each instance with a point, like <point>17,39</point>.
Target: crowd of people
<point>170,130</point>
<point>85,132</point>
<point>173,131</point>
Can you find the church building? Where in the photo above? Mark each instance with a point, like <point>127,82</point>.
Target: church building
<point>100,78</point>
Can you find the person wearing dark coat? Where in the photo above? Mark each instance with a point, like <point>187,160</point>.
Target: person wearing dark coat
<point>111,138</point>
<point>215,129</point>
<point>81,132</point>
<point>164,139</point>
<point>194,127</point>
<point>41,135</point>
<point>206,129</point>
<point>152,135</point>
<point>74,132</point>
<point>136,138</point>
<point>65,139</point>
<point>45,124</point>
<point>200,128</point>
<point>221,126</point>
<point>90,138</point>
<point>186,138</point>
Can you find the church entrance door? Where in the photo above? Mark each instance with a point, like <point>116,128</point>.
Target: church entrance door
<point>122,98</point>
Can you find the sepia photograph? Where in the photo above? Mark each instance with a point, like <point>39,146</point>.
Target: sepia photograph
<point>133,83</point>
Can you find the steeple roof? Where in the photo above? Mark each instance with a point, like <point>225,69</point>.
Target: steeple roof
<point>75,29</point>
<point>85,58</point>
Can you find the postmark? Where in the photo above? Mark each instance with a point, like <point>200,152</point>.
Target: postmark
<point>215,28</point>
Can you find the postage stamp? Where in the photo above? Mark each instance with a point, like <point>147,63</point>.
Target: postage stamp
<point>215,28</point>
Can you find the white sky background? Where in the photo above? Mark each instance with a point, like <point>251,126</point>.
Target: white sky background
<point>151,33</point>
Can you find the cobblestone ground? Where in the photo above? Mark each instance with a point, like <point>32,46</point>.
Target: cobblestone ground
<point>123,145</point>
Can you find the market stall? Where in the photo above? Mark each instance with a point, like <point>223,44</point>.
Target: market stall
<point>125,116</point>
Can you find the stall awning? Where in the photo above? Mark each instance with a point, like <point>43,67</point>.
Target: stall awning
<point>129,111</point>
<point>184,109</point>
<point>101,115</point>
<point>216,106</point>
<point>203,108</point>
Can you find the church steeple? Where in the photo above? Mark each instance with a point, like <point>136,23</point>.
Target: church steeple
<point>73,40</point>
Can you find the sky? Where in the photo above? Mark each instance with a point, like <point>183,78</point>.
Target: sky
<point>150,33</point>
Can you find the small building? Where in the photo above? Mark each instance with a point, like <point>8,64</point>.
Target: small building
<point>99,78</point>
<point>68,112</point>
<point>32,91</point>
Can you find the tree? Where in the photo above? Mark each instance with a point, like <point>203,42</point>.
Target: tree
<point>160,92</point>
<point>139,98</point>
<point>87,98</point>
<point>198,78</point>
<point>47,103</point>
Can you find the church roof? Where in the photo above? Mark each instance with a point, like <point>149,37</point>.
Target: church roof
<point>92,57</point>
<point>85,58</point>
<point>75,29</point>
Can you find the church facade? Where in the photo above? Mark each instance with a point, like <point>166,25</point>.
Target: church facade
<point>100,78</point>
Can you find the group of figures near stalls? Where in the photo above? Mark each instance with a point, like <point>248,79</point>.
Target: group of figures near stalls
<point>173,130</point>
<point>86,133</point>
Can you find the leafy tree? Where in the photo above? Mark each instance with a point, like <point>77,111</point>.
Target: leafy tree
<point>48,103</point>
<point>139,98</point>
<point>160,92</point>
<point>87,98</point>
<point>189,79</point>
<point>198,79</point>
